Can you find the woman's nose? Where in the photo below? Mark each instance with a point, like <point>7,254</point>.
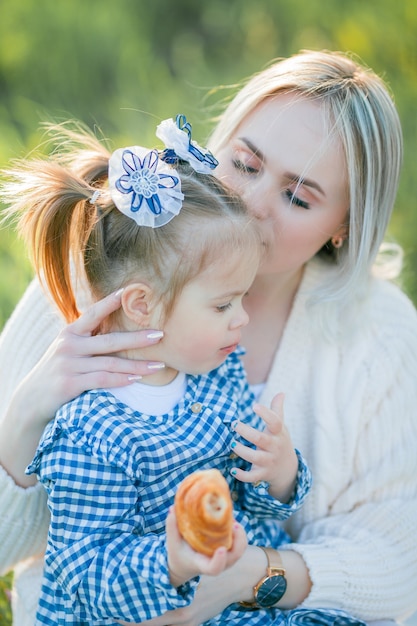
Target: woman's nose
<point>258,200</point>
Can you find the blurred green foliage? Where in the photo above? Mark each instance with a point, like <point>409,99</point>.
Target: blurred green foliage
<point>125,65</point>
<point>5,613</point>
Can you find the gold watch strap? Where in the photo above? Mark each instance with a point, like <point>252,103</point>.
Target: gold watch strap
<point>274,561</point>
<point>275,567</point>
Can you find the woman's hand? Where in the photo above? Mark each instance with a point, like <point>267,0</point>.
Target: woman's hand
<point>215,593</point>
<point>76,361</point>
<point>274,460</point>
<point>185,563</point>
<point>236,583</point>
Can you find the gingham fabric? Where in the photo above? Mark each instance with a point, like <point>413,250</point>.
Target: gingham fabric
<point>111,474</point>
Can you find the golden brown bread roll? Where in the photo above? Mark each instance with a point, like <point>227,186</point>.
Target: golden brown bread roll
<point>204,511</point>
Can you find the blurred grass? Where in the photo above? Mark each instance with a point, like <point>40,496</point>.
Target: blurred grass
<point>5,612</point>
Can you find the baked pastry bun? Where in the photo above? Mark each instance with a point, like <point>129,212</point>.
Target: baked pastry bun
<point>204,511</point>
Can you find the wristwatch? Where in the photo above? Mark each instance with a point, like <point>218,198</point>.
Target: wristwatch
<point>270,589</point>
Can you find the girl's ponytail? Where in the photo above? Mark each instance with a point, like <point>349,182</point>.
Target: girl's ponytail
<point>50,201</point>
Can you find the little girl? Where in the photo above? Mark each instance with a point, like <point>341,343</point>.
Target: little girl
<point>162,229</point>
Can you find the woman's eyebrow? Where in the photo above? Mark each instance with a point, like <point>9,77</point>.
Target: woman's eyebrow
<point>300,180</point>
<point>252,148</point>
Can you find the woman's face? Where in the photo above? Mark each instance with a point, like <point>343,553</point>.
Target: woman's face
<point>293,177</point>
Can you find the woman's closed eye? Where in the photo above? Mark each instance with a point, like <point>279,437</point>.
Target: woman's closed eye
<point>293,199</point>
<point>244,168</point>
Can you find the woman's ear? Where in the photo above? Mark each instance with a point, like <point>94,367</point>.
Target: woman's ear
<point>138,304</point>
<point>342,231</point>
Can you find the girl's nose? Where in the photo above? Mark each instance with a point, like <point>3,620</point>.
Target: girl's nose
<point>239,320</point>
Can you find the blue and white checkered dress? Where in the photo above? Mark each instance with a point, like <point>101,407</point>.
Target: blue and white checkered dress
<point>111,474</point>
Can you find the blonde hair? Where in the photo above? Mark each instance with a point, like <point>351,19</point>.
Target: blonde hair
<point>363,116</point>
<point>50,199</point>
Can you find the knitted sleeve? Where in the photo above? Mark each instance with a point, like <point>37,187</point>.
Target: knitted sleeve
<point>24,520</point>
<point>24,515</point>
<point>25,337</point>
<point>362,556</point>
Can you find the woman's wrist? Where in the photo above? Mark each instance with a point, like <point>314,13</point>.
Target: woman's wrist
<point>252,568</point>
<point>298,580</point>
<point>20,431</point>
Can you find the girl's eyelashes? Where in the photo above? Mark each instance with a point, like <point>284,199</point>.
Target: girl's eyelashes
<point>296,200</point>
<point>223,307</point>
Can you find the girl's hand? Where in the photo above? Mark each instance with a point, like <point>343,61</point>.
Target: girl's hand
<point>76,361</point>
<point>185,563</point>
<point>274,460</point>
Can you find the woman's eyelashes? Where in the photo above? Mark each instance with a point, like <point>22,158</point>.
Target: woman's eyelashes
<point>251,168</point>
<point>244,168</point>
<point>295,199</point>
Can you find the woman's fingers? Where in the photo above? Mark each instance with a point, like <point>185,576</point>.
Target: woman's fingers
<point>90,320</point>
<point>110,343</point>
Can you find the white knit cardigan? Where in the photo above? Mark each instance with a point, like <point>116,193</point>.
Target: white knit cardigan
<point>351,408</point>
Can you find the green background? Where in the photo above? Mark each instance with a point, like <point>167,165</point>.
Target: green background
<point>125,65</point>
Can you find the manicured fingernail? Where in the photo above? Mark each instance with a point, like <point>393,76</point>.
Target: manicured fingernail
<point>233,472</point>
<point>156,366</point>
<point>233,425</point>
<point>233,445</point>
<point>134,378</point>
<point>157,334</point>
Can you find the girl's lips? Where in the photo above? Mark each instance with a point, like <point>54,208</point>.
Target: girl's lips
<point>229,349</point>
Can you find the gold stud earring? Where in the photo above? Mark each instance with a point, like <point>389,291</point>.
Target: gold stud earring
<point>337,242</point>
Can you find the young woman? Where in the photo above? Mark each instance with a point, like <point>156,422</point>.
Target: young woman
<point>313,144</point>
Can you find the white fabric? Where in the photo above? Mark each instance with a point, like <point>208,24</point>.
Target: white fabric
<point>151,399</point>
<point>350,408</point>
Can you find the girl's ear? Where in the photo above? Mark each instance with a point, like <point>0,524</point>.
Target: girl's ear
<point>138,303</point>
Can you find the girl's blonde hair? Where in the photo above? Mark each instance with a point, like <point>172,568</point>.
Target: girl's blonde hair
<point>50,199</point>
<point>361,113</point>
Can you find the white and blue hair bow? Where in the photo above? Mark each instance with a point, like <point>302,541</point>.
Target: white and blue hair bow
<point>143,184</point>
<point>179,145</point>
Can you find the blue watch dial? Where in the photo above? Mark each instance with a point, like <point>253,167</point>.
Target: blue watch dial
<point>271,591</point>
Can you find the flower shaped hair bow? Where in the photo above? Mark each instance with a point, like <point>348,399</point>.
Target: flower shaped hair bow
<point>177,139</point>
<point>143,187</point>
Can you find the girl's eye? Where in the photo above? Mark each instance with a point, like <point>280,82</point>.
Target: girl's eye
<point>242,167</point>
<point>295,200</point>
<point>223,307</point>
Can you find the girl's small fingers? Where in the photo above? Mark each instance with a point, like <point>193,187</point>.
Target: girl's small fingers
<point>171,527</point>
<point>217,563</point>
<point>240,540</point>
<point>241,475</point>
<point>273,417</point>
<point>250,455</point>
<point>277,404</point>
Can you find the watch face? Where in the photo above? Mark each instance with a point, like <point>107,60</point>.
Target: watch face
<point>271,591</point>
